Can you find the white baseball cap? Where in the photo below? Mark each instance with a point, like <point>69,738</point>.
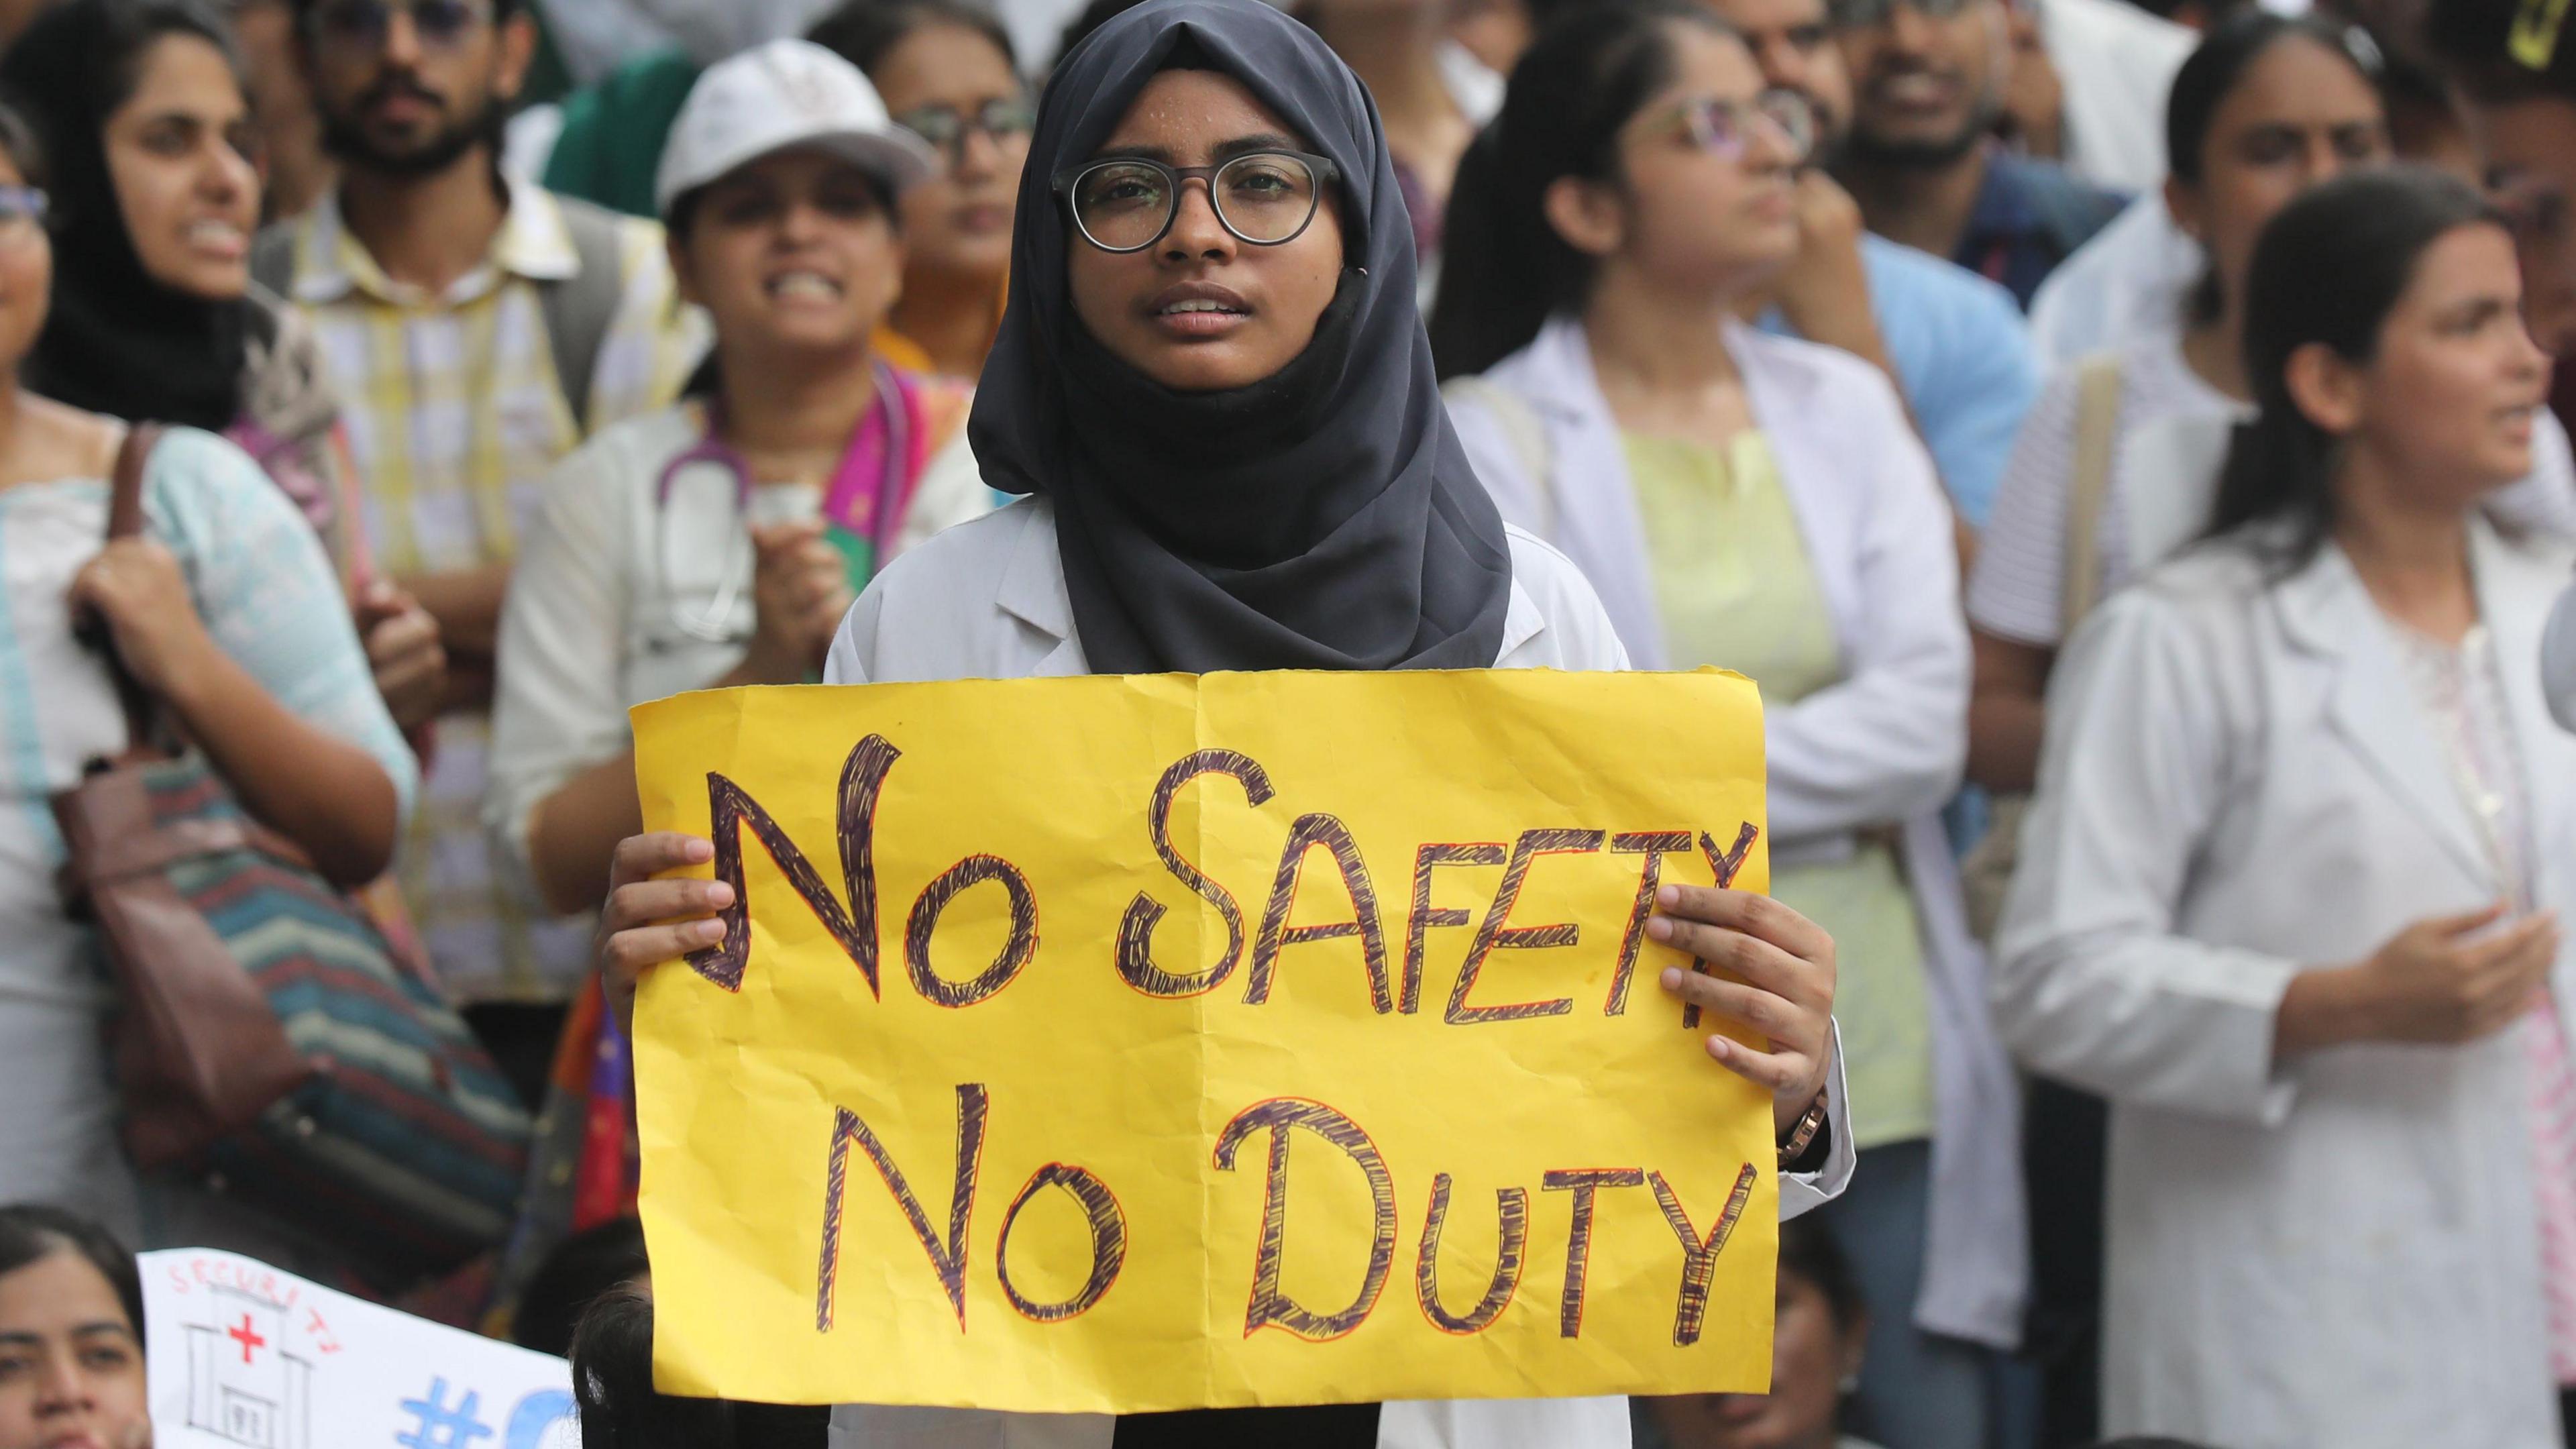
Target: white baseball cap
<point>784,94</point>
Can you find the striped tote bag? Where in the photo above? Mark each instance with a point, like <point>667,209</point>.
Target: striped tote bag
<point>266,1036</point>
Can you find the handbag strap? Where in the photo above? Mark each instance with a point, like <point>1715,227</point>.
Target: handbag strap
<point>125,520</point>
<point>2097,435</point>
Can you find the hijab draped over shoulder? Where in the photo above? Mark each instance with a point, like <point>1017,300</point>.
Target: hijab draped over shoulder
<point>1322,518</point>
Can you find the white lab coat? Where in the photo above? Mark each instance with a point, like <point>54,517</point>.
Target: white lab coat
<point>610,571</point>
<point>2338,1250</point>
<point>986,600</point>
<point>2133,278</point>
<point>1887,744</point>
<point>2558,659</point>
<point>2115,62</point>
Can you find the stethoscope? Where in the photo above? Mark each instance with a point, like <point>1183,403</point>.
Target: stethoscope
<point>712,625</point>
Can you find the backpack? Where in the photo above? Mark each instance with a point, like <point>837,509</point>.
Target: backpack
<point>577,309</point>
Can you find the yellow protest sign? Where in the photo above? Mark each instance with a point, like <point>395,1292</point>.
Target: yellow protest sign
<point>1120,1044</point>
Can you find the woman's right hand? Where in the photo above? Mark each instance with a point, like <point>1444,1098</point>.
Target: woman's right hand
<point>800,589</point>
<point>2438,981</point>
<point>648,921</point>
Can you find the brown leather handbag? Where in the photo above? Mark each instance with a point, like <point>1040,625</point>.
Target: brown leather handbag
<point>267,1036</point>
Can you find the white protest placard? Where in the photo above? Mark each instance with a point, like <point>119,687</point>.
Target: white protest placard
<point>243,1356</point>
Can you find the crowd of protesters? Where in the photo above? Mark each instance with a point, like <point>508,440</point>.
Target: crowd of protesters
<point>2118,442</point>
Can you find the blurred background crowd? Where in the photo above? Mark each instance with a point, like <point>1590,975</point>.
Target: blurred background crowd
<point>2115,436</point>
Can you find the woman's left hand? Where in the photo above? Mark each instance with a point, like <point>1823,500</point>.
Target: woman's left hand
<point>136,586</point>
<point>1779,981</point>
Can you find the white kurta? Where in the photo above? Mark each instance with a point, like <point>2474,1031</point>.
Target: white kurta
<point>2338,1250</point>
<point>986,600</point>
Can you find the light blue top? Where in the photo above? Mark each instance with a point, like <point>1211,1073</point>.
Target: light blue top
<point>1963,357</point>
<point>268,596</point>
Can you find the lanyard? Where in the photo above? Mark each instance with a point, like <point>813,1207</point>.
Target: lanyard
<point>879,491</point>
<point>873,489</point>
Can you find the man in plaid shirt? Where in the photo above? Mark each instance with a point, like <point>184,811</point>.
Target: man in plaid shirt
<point>476,330</point>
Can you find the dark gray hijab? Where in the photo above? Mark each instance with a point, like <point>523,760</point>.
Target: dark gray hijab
<point>1322,518</point>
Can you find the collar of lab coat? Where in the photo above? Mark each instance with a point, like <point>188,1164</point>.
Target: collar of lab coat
<point>1032,591</point>
<point>1593,513</point>
<point>2327,613</point>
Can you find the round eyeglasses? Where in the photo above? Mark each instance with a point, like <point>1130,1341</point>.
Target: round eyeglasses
<point>22,214</point>
<point>1004,120</point>
<point>1263,198</point>
<point>1724,128</point>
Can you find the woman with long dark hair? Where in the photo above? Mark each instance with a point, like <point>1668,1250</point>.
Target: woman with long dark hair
<point>1761,504</point>
<point>142,111</point>
<point>227,612</point>
<point>2291,879</point>
<point>1213,383</point>
<point>2514,69</point>
<point>2114,468</point>
<point>2267,107</point>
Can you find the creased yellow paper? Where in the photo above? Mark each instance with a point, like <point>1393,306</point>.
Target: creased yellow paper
<point>1172,1132</point>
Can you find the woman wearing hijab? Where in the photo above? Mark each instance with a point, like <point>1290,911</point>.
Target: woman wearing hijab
<point>141,109</point>
<point>1214,389</point>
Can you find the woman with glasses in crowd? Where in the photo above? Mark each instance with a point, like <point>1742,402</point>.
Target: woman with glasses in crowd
<point>1760,504</point>
<point>1212,380</point>
<point>946,72</point>
<point>2291,881</point>
<point>719,541</point>
<point>228,613</point>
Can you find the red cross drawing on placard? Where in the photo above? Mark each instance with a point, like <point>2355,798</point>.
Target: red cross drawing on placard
<point>246,1337</point>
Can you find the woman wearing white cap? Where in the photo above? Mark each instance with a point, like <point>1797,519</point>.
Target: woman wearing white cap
<point>718,542</point>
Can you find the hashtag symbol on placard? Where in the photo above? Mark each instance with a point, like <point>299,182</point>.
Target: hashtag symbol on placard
<point>440,1427</point>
